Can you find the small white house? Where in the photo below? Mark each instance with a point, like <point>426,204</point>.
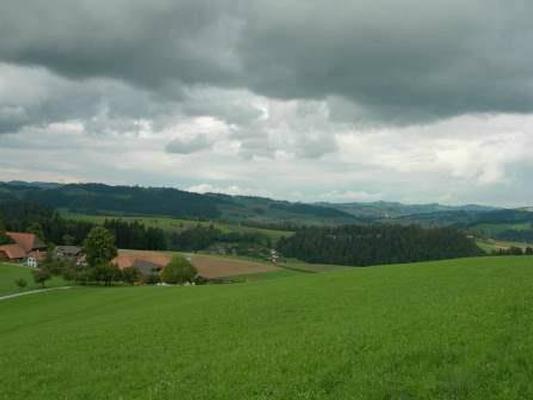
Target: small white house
<point>31,262</point>
<point>274,256</point>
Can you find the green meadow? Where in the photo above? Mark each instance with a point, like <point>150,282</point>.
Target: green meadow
<point>490,245</point>
<point>177,225</point>
<point>9,273</point>
<point>455,329</point>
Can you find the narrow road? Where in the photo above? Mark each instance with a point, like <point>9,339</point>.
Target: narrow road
<point>11,296</point>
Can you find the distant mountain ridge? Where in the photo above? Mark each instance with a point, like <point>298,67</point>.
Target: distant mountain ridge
<point>97,198</point>
<point>386,209</point>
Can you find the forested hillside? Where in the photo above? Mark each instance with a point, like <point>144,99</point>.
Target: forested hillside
<point>55,229</point>
<point>377,244</point>
<point>100,199</point>
<point>26,216</point>
<point>92,198</point>
<point>511,225</point>
<point>388,209</point>
<point>134,200</point>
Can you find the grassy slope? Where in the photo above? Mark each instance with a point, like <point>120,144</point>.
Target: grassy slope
<point>489,245</point>
<point>178,225</point>
<point>10,272</point>
<point>452,329</point>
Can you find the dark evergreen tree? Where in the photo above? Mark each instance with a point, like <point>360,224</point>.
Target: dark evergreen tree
<point>361,245</point>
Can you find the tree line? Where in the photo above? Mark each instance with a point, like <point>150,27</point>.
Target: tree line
<point>51,227</point>
<point>200,237</point>
<point>54,229</point>
<point>362,245</point>
<point>524,236</point>
<point>513,251</point>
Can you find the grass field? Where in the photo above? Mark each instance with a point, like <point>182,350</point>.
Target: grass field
<point>457,329</point>
<point>489,245</point>
<point>11,272</point>
<point>178,225</point>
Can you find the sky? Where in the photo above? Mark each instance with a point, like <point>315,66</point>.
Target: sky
<point>414,101</point>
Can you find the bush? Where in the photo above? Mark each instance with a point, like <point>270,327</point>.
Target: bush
<point>179,270</point>
<point>57,266</point>
<point>21,283</point>
<point>41,275</point>
<point>131,275</point>
<point>151,279</point>
<point>106,273</point>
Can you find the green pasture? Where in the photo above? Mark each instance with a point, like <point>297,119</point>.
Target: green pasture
<point>177,225</point>
<point>9,273</point>
<point>490,245</point>
<point>456,329</point>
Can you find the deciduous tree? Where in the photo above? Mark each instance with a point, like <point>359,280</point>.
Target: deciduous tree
<point>41,275</point>
<point>99,247</point>
<point>179,270</point>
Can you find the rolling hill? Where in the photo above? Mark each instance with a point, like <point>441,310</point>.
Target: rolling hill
<point>386,210</point>
<point>448,329</point>
<point>128,201</point>
<point>140,201</point>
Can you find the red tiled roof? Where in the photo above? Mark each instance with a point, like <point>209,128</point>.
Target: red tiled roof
<point>28,241</point>
<point>13,251</point>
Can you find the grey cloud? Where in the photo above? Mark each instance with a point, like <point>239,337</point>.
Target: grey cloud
<point>188,146</point>
<point>35,97</point>
<point>12,117</point>
<point>232,106</point>
<point>316,145</point>
<point>398,62</point>
<point>145,43</point>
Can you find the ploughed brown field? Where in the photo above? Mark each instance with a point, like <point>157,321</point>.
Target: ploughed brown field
<point>219,267</point>
<point>208,266</point>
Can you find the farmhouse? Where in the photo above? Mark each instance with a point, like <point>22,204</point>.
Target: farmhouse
<point>12,252</point>
<point>68,252</point>
<point>27,247</point>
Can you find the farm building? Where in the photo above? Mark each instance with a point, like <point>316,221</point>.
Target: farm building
<point>26,247</point>
<point>12,252</point>
<point>68,252</point>
<point>71,253</point>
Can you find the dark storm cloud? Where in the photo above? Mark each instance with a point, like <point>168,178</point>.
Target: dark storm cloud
<point>398,62</point>
<point>138,41</point>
